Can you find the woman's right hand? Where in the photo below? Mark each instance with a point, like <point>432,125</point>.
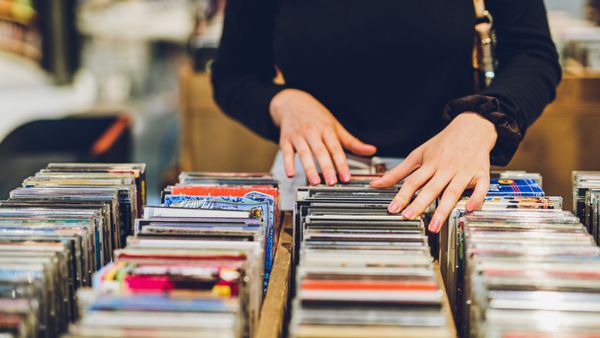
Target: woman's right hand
<point>309,129</point>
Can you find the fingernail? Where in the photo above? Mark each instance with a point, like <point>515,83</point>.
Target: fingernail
<point>331,180</point>
<point>468,207</point>
<point>435,225</point>
<point>408,213</point>
<point>314,180</point>
<point>395,206</point>
<point>290,174</point>
<point>345,177</point>
<point>375,182</point>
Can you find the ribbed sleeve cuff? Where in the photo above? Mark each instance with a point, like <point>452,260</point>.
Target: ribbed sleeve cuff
<point>509,133</point>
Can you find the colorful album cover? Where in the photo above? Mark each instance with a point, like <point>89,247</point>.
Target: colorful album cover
<point>252,200</point>
<point>516,188</point>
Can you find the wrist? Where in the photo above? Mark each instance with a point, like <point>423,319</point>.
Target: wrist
<point>278,105</point>
<point>480,125</point>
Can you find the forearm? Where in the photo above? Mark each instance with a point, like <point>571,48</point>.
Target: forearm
<point>526,79</point>
<point>246,98</point>
<point>243,71</point>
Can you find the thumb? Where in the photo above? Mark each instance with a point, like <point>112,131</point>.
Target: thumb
<point>351,143</point>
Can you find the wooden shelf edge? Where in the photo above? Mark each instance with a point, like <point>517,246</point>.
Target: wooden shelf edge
<point>274,308</point>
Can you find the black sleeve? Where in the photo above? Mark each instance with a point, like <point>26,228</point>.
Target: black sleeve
<point>527,75</point>
<point>243,71</point>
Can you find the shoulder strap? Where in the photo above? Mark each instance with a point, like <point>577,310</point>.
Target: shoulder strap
<point>483,49</point>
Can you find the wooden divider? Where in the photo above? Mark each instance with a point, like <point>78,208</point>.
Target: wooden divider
<point>273,317</point>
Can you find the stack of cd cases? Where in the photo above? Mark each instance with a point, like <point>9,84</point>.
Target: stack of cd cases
<point>522,267</point>
<point>362,272</point>
<point>586,197</point>
<point>174,287</point>
<point>195,267</point>
<point>452,237</point>
<point>55,232</point>
<point>509,190</point>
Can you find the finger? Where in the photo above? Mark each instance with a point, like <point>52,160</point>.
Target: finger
<point>307,160</point>
<point>410,164</point>
<point>482,186</point>
<point>353,144</point>
<point>427,195</point>
<point>409,187</point>
<point>323,158</point>
<point>288,158</point>
<point>448,201</point>
<point>337,153</point>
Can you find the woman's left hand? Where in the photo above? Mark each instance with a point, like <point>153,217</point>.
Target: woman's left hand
<point>455,159</point>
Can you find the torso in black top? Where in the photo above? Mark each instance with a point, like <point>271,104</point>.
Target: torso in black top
<point>384,68</point>
<point>387,68</point>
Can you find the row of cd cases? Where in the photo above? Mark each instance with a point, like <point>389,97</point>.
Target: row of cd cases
<point>519,267</point>
<point>56,230</point>
<point>197,265</point>
<point>586,200</point>
<point>522,267</point>
<point>81,257</point>
<point>361,272</point>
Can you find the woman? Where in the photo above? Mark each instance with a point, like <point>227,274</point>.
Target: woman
<point>388,77</point>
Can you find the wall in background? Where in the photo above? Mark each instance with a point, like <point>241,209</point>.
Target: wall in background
<point>573,6</point>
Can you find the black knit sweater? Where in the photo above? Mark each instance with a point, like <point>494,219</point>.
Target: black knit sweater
<point>392,71</point>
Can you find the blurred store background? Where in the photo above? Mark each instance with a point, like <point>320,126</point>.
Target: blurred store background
<point>126,80</point>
